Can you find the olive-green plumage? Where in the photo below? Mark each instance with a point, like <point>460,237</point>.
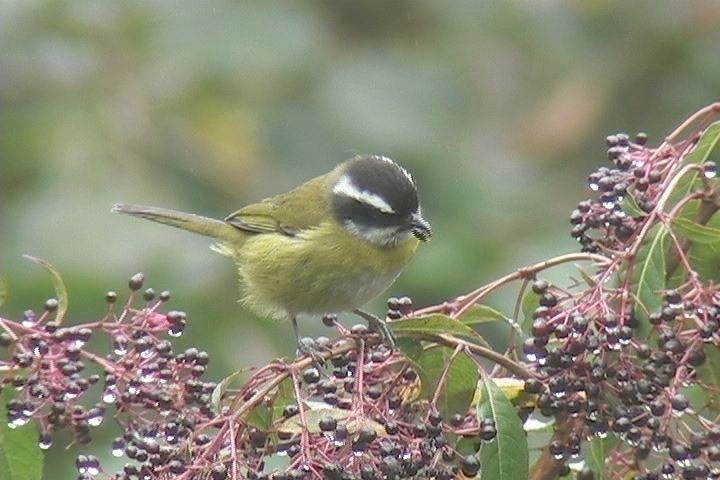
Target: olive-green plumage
<point>285,275</point>
<point>292,252</point>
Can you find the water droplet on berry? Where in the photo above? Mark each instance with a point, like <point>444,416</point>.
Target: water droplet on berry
<point>118,447</point>
<point>45,442</point>
<point>109,396</point>
<point>95,420</point>
<point>29,319</point>
<point>69,395</point>
<point>120,347</point>
<point>710,170</point>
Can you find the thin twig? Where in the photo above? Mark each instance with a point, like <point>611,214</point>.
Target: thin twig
<point>464,302</point>
<point>443,378</point>
<point>492,355</point>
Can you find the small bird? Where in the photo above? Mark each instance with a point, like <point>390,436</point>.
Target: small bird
<point>328,246</point>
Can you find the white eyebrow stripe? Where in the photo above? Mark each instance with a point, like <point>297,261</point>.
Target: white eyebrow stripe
<point>404,172</point>
<point>345,187</point>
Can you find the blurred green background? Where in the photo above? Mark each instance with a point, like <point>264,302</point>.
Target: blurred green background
<point>500,109</point>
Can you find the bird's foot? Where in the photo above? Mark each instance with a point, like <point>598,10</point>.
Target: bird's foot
<point>309,347</point>
<point>377,324</point>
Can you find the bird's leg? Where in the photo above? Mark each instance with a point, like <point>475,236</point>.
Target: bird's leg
<point>306,345</point>
<point>379,325</point>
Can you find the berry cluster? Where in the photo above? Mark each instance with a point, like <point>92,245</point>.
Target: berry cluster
<point>361,418</point>
<point>603,222</point>
<point>592,368</point>
<point>610,370</point>
<point>628,193</point>
<point>357,416</point>
<point>157,396</point>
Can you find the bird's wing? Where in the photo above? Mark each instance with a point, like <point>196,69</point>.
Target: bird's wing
<point>289,213</point>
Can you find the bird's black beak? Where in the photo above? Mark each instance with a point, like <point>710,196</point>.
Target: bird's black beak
<point>421,229</point>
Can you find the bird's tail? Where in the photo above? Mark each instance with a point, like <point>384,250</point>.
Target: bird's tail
<point>207,226</point>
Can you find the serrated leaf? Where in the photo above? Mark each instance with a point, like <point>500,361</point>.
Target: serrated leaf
<point>631,208</point>
<point>648,279</point>
<point>482,314</point>
<point>20,454</point>
<point>705,260</point>
<point>709,374</point>
<point>284,396</point>
<point>260,417</point>
<point>506,456</point>
<point>58,285</point>
<point>313,416</point>
<point>695,232</point>
<point>706,144</point>
<point>219,391</point>
<point>459,387</point>
<point>597,451</point>
<point>432,324</point>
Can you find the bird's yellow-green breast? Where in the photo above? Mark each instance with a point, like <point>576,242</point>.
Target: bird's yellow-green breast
<point>321,270</point>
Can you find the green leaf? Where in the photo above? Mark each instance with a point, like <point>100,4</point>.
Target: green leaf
<point>597,450</point>
<point>513,388</point>
<point>705,260</point>
<point>432,324</point>
<point>284,396</point>
<point>260,417</point>
<point>20,454</point>
<point>709,374</point>
<point>708,141</point>
<point>696,232</point>
<point>459,387</point>
<point>706,144</point>
<point>648,278</point>
<point>506,456</point>
<point>704,257</point>
<point>410,347</point>
<point>482,314</point>
<point>58,285</point>
<point>631,208</point>
<point>530,302</point>
<point>313,416</point>
<point>219,392</point>
<point>263,416</point>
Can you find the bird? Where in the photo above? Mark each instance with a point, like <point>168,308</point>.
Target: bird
<point>327,246</point>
